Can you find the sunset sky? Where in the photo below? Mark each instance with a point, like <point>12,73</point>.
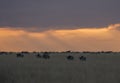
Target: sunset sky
<point>59,25</point>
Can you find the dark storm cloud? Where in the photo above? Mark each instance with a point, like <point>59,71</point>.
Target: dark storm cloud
<point>58,13</point>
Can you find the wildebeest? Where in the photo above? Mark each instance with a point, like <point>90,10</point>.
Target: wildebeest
<point>20,55</point>
<point>38,55</point>
<point>46,55</point>
<point>3,53</point>
<point>68,51</point>
<point>83,58</point>
<point>24,52</point>
<point>70,57</point>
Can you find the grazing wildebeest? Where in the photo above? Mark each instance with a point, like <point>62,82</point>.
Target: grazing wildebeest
<point>82,58</point>
<point>68,51</point>
<point>38,55</point>
<point>3,53</point>
<point>20,55</point>
<point>46,55</point>
<point>24,52</point>
<point>70,57</point>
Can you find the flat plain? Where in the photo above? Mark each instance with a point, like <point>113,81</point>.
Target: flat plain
<point>97,68</point>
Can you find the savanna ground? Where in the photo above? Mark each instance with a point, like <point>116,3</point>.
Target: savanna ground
<point>98,68</point>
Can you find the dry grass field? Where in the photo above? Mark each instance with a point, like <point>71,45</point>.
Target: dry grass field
<point>98,68</point>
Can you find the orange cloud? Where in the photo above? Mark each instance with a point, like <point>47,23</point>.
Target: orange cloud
<point>82,39</point>
<point>114,27</point>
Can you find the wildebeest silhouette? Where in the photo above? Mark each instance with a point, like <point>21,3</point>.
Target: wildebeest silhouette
<point>20,55</point>
<point>38,55</point>
<point>46,55</point>
<point>24,52</point>
<point>68,51</point>
<point>3,53</point>
<point>83,58</point>
<point>70,57</point>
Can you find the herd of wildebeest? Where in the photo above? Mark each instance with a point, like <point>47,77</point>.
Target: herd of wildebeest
<point>46,55</point>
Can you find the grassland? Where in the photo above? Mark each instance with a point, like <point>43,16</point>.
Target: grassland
<point>98,68</point>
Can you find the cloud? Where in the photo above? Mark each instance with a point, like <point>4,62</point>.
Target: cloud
<point>46,13</point>
<point>114,27</point>
<point>78,39</point>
